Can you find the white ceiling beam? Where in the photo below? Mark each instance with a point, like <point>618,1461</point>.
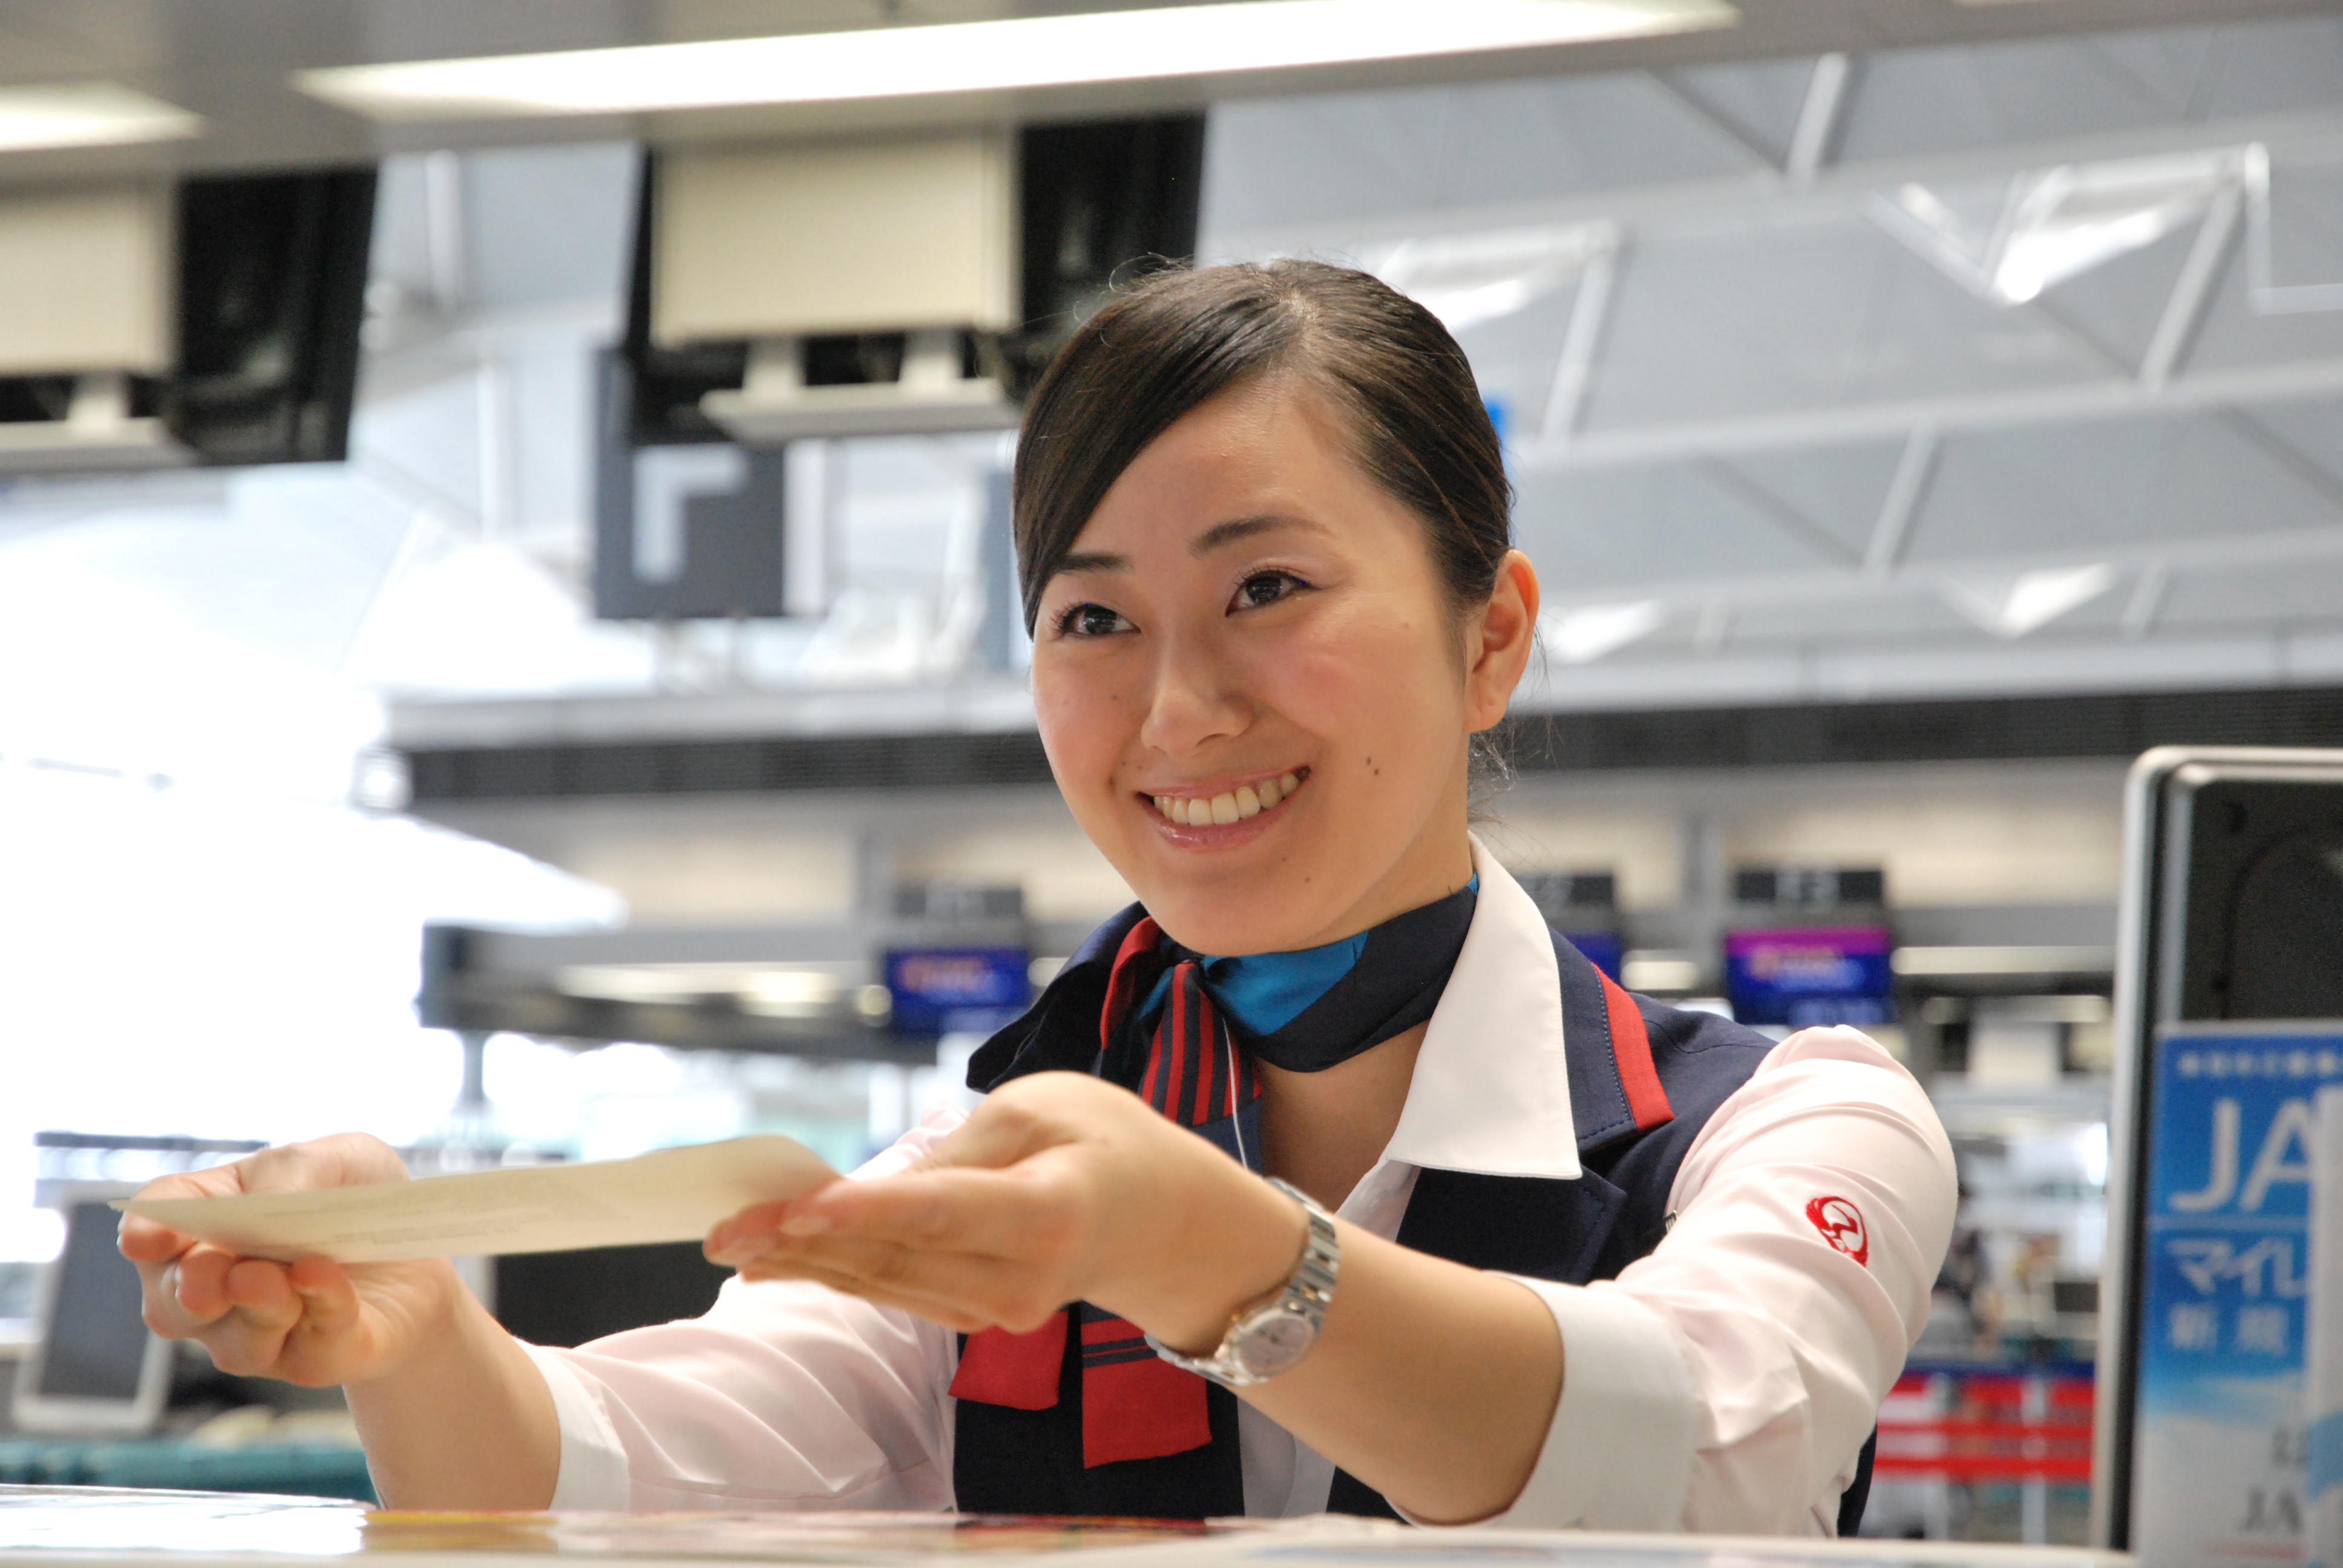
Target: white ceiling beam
<point>2184,310</point>
<point>2148,592</point>
<point>1908,487</point>
<point>1689,594</point>
<point>1574,369</point>
<point>1860,424</point>
<point>1953,666</point>
<point>1815,137</point>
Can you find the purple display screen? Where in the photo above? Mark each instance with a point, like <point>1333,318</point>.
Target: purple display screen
<point>1811,975</point>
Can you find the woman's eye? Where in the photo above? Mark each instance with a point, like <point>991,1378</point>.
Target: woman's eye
<point>1266,588</point>
<point>1090,621</point>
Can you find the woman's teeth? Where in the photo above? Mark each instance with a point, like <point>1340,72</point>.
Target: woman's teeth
<point>1234,806</point>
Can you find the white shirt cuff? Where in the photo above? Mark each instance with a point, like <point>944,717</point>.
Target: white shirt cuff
<point>1619,1453</point>
<point>593,1463</point>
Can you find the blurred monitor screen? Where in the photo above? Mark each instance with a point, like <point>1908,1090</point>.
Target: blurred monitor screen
<point>1811,975</point>
<point>97,1367</point>
<point>939,990</point>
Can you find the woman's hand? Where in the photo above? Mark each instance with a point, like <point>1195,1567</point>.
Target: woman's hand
<point>312,1322</point>
<point>1059,1188</point>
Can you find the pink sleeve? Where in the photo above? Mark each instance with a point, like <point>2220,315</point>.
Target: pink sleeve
<point>783,1395</point>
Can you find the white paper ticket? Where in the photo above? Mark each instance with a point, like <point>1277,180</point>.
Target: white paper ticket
<point>667,1195</point>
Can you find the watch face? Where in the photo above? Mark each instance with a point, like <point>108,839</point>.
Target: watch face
<point>1273,1342</point>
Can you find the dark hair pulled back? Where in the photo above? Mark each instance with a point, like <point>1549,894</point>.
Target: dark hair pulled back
<point>1417,425</point>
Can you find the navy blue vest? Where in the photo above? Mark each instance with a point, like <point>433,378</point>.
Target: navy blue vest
<point>1643,1080</point>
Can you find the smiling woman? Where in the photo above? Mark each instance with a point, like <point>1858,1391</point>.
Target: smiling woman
<point>1325,1177</point>
<point>1299,568</point>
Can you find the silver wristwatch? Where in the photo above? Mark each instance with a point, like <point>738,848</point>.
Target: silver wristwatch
<point>1272,1338</point>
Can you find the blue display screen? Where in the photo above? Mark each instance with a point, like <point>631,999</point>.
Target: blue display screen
<point>938,990</point>
<point>1811,975</point>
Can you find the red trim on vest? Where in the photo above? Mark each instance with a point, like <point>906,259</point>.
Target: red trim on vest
<point>1136,1404</point>
<point>1019,1371</point>
<point>1631,1051</point>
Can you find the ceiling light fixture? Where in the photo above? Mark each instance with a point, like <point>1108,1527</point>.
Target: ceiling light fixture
<point>1469,280</point>
<point>2033,599</point>
<point>2007,240</point>
<point>88,115</point>
<point>1030,52</point>
<point>1584,635</point>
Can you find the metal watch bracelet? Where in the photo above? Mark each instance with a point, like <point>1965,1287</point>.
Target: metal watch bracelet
<point>1268,1340</point>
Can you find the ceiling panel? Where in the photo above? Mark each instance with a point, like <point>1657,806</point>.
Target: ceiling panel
<point>1904,615</point>
<point>2112,483</point>
<point>1836,490</point>
<point>2310,430</point>
<point>1913,103</point>
<point>1352,158</point>
<point>1803,315</point>
<point>2285,66</point>
<point>1339,159</point>
<point>2238,331</point>
<point>1514,358</point>
<point>1758,101</point>
<point>1530,141</point>
<point>2305,592</point>
<point>31,53</point>
<point>580,198</point>
<point>2117,303</point>
<point>2178,66</point>
<point>1594,532</point>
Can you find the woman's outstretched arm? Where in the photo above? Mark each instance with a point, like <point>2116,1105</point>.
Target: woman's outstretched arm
<point>452,1410</point>
<point>1432,1383</point>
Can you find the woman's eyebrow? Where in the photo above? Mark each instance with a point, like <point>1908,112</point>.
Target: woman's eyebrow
<point>1093,561</point>
<point>1223,534</point>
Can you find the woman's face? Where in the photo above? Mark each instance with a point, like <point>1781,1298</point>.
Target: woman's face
<point>1252,687</point>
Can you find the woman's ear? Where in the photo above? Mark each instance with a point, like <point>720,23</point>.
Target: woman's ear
<point>1499,639</point>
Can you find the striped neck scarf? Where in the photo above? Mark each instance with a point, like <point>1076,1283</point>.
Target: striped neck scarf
<point>1184,1030</point>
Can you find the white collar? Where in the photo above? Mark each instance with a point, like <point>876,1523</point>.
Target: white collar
<point>1491,1092</point>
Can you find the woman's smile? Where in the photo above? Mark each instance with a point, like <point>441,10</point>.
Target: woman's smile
<point>1218,814</point>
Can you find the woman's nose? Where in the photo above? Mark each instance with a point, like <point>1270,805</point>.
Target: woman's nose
<point>1192,703</point>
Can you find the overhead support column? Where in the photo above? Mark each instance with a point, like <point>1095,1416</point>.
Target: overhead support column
<point>1905,490</point>
<point>1815,136</point>
<point>2184,310</point>
<point>1574,372</point>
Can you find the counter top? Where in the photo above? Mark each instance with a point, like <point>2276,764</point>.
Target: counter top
<point>97,1527</point>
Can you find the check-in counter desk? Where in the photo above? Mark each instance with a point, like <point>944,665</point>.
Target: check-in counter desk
<point>66,1527</point>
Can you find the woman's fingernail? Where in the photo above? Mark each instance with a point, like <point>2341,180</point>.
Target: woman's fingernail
<point>733,1244</point>
<point>805,1224</point>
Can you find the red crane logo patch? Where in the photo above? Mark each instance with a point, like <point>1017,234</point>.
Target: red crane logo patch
<point>1841,1224</point>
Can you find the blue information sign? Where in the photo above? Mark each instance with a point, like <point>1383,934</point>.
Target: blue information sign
<point>938,990</point>
<point>1811,975</point>
<point>2218,1444</point>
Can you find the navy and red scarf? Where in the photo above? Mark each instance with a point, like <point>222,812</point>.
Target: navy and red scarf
<point>1184,1031</point>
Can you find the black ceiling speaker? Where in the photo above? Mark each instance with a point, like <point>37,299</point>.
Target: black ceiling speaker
<point>272,292</point>
<point>1101,205</point>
